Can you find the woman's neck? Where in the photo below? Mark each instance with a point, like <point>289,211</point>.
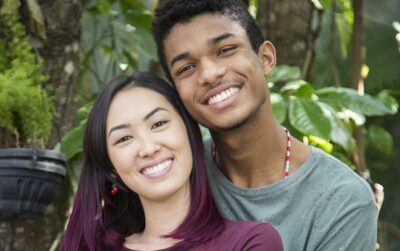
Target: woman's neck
<point>161,218</point>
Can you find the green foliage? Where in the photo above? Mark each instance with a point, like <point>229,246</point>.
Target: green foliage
<point>303,115</point>
<point>342,98</point>
<point>25,107</point>
<point>72,144</point>
<point>379,52</point>
<point>116,38</point>
<point>72,141</point>
<point>284,73</point>
<point>380,140</point>
<point>279,107</point>
<point>326,117</point>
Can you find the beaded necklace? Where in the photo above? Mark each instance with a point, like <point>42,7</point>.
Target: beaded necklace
<point>287,156</point>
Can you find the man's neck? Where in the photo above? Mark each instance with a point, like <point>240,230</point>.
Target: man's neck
<point>254,155</point>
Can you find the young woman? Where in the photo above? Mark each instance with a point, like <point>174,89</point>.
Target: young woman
<point>143,183</point>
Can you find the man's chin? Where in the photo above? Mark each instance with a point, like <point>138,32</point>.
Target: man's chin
<point>227,126</point>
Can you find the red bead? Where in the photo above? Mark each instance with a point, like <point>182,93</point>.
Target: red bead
<point>114,190</point>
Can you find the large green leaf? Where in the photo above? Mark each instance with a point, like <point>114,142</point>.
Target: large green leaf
<point>278,107</point>
<point>298,88</point>
<point>146,42</point>
<point>389,101</point>
<point>349,99</point>
<point>284,73</point>
<point>307,117</point>
<point>71,143</point>
<point>380,140</point>
<point>344,27</point>
<point>139,16</point>
<point>340,134</point>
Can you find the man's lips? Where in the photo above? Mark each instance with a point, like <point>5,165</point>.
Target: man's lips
<point>224,91</point>
<point>222,96</point>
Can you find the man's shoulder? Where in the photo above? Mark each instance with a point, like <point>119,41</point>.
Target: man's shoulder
<point>340,179</point>
<point>329,166</point>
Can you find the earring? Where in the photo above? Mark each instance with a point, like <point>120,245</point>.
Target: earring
<point>114,190</point>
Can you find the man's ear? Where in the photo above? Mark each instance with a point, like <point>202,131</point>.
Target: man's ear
<point>267,57</point>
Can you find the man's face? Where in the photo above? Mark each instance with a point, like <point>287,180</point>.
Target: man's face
<point>217,74</point>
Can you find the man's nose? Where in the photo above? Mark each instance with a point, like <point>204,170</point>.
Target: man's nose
<point>210,71</point>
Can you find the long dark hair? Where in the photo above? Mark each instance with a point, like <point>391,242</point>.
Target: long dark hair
<point>100,221</point>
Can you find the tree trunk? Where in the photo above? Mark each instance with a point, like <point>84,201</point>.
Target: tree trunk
<point>357,81</point>
<point>58,45</point>
<point>287,24</point>
<point>60,52</point>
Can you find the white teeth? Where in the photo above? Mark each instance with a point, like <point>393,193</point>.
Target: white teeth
<point>157,168</point>
<point>223,95</point>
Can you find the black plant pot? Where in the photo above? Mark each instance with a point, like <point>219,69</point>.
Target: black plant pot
<point>29,179</point>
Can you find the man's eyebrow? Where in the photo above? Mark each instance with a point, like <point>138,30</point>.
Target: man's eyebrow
<point>123,126</point>
<point>212,41</point>
<point>155,110</point>
<point>219,38</point>
<point>179,57</point>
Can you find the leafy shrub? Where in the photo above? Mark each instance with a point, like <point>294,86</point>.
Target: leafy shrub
<point>26,109</point>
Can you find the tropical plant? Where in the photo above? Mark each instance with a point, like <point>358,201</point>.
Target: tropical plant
<point>26,108</point>
<point>116,38</point>
<point>326,117</point>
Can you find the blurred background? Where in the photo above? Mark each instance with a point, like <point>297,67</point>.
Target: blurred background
<point>336,86</point>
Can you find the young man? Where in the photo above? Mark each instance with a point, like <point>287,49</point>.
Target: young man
<point>216,57</point>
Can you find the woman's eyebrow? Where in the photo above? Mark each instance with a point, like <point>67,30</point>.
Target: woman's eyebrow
<point>118,127</point>
<point>152,112</point>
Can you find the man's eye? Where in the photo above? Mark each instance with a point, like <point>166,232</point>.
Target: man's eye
<point>159,124</point>
<point>225,50</point>
<point>185,68</point>
<point>123,139</point>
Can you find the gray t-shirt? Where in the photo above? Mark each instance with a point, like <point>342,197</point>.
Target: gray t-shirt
<point>324,205</point>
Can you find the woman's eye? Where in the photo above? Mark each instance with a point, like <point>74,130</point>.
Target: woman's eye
<point>123,139</point>
<point>158,124</point>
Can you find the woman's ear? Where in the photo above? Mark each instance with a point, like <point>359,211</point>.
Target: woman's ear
<point>267,57</point>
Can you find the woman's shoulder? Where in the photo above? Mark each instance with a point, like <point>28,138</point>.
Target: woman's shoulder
<point>249,235</point>
<point>252,227</point>
<point>241,235</point>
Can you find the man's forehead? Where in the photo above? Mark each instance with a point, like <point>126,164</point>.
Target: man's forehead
<point>205,19</point>
<point>203,28</point>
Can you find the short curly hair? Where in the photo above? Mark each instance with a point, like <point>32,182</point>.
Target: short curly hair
<point>171,12</point>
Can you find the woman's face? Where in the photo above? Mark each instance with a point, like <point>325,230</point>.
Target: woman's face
<point>148,145</point>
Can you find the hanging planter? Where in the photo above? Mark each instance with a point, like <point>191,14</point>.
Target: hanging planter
<point>29,179</point>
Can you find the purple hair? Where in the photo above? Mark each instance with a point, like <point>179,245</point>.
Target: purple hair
<point>100,221</point>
